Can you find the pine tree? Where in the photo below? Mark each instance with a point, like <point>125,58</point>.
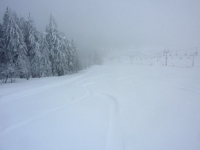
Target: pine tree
<point>36,61</point>
<point>60,57</point>
<point>14,50</point>
<point>1,32</point>
<point>55,40</point>
<point>33,47</point>
<point>52,39</point>
<point>23,25</point>
<point>65,53</point>
<point>74,57</point>
<point>45,61</point>
<point>25,52</point>
<point>69,57</point>
<point>1,39</point>
<point>2,54</point>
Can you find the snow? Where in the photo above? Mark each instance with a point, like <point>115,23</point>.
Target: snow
<point>116,106</point>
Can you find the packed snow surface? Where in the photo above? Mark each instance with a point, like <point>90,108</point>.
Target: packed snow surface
<point>116,106</point>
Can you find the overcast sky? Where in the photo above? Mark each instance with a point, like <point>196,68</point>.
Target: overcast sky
<point>122,24</point>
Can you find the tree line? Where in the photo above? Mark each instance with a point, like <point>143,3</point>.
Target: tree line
<point>25,52</point>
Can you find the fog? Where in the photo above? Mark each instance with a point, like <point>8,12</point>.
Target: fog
<point>117,24</point>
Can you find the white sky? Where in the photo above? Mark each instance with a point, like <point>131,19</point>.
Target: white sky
<point>154,24</point>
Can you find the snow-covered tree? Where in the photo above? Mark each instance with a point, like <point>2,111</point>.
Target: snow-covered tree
<point>14,49</point>
<point>32,42</point>
<point>26,52</point>
<point>1,31</point>
<point>52,40</point>
<point>45,61</point>
<point>61,56</point>
<point>56,45</point>
<point>1,37</point>
<point>2,54</point>
<point>74,57</point>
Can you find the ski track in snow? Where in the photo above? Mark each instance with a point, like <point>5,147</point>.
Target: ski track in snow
<point>113,142</point>
<point>29,92</point>
<point>196,91</point>
<point>41,115</point>
<point>114,133</point>
<point>123,78</point>
<point>172,84</point>
<point>114,139</point>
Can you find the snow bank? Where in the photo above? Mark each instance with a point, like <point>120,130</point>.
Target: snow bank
<point>114,106</point>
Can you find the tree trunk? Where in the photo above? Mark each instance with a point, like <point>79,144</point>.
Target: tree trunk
<point>6,79</point>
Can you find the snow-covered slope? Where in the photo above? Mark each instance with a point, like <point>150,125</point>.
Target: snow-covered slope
<point>115,106</point>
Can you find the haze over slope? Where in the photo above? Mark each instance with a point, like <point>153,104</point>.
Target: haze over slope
<point>115,106</point>
<point>134,24</point>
